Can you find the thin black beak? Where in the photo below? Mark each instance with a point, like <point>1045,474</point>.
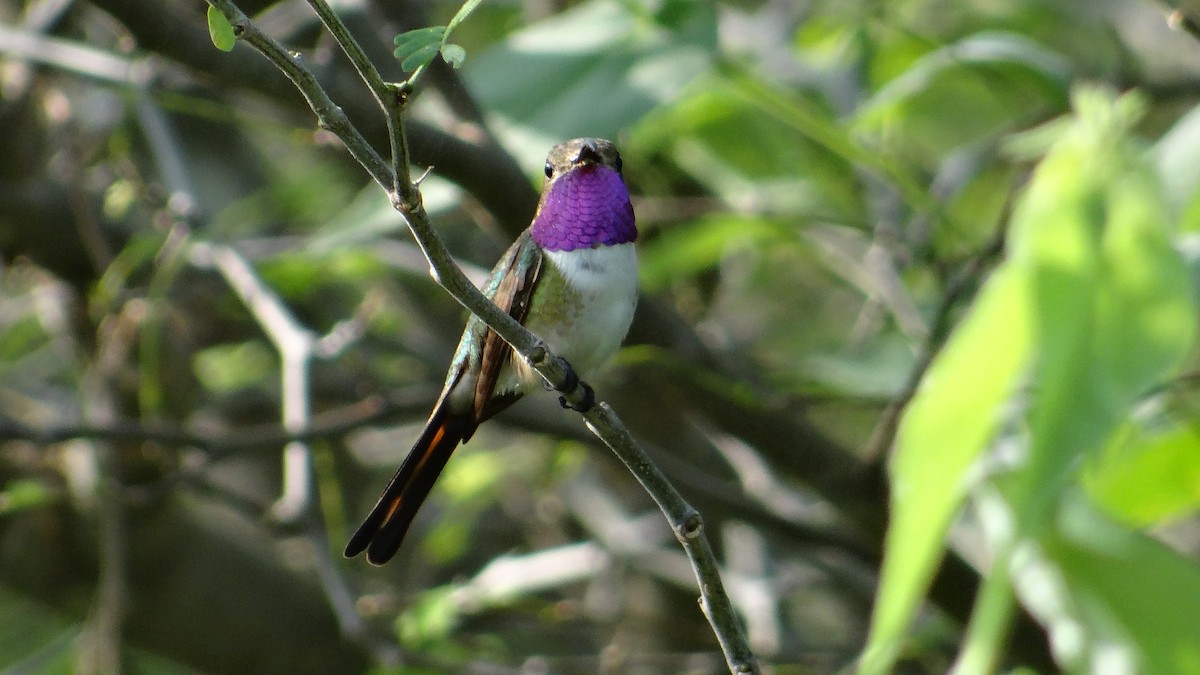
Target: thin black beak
<point>588,154</point>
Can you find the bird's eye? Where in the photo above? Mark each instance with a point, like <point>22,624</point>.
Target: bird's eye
<point>617,164</point>
<point>549,169</point>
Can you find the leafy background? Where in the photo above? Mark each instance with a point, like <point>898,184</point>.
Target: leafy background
<point>914,262</point>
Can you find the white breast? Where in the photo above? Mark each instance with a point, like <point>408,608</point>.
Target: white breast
<point>606,280</point>
<point>610,272</point>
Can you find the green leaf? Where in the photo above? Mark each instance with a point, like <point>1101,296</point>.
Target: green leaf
<point>1113,317</point>
<point>368,216</point>
<point>819,124</point>
<point>795,166</point>
<point>1096,301</point>
<point>474,473</point>
<point>1175,158</point>
<point>417,48</point>
<point>21,338</point>
<point>965,91</point>
<point>23,494</point>
<point>430,619</point>
<point>1056,233</point>
<point>1145,311</point>
<point>35,637</point>
<point>220,31</point>
<point>1110,595</point>
<point>1147,477</point>
<point>956,413</point>
<point>454,55</point>
<point>418,37</point>
<point>420,57</point>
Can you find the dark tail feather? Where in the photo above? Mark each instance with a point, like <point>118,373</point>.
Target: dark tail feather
<point>383,530</point>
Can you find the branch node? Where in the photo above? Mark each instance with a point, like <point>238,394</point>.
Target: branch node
<point>405,206</point>
<point>690,528</point>
<point>537,355</point>
<point>400,93</point>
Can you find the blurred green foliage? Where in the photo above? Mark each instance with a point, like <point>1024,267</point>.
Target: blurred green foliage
<point>1096,309</point>
<point>831,197</point>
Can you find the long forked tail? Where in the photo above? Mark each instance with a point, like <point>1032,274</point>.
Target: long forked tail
<point>383,530</point>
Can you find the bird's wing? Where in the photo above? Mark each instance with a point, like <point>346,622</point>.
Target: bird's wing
<point>512,293</point>
<point>383,530</point>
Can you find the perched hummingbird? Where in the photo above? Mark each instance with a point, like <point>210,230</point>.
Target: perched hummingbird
<point>571,279</point>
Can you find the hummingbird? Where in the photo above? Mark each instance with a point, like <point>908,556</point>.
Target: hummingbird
<point>570,279</point>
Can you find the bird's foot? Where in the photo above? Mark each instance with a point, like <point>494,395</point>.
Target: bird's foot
<point>584,405</point>
<point>571,382</point>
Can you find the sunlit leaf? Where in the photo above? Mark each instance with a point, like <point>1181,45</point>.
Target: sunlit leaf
<point>966,90</point>
<point>956,412</point>
<point>220,30</point>
<point>1147,477</point>
<point>1113,317</point>
<point>430,619</point>
<point>1114,308</point>
<point>1178,171</point>
<point>1096,309</point>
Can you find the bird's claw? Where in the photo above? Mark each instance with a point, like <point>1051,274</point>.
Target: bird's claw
<point>570,382</point>
<point>589,399</point>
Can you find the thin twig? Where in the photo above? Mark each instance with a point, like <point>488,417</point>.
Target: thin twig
<point>603,422</point>
<point>689,530</point>
<point>390,97</point>
<point>330,116</point>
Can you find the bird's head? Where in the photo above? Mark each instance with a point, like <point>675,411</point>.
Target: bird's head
<point>585,203</point>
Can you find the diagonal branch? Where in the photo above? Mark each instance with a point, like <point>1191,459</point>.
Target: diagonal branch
<point>406,198</point>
